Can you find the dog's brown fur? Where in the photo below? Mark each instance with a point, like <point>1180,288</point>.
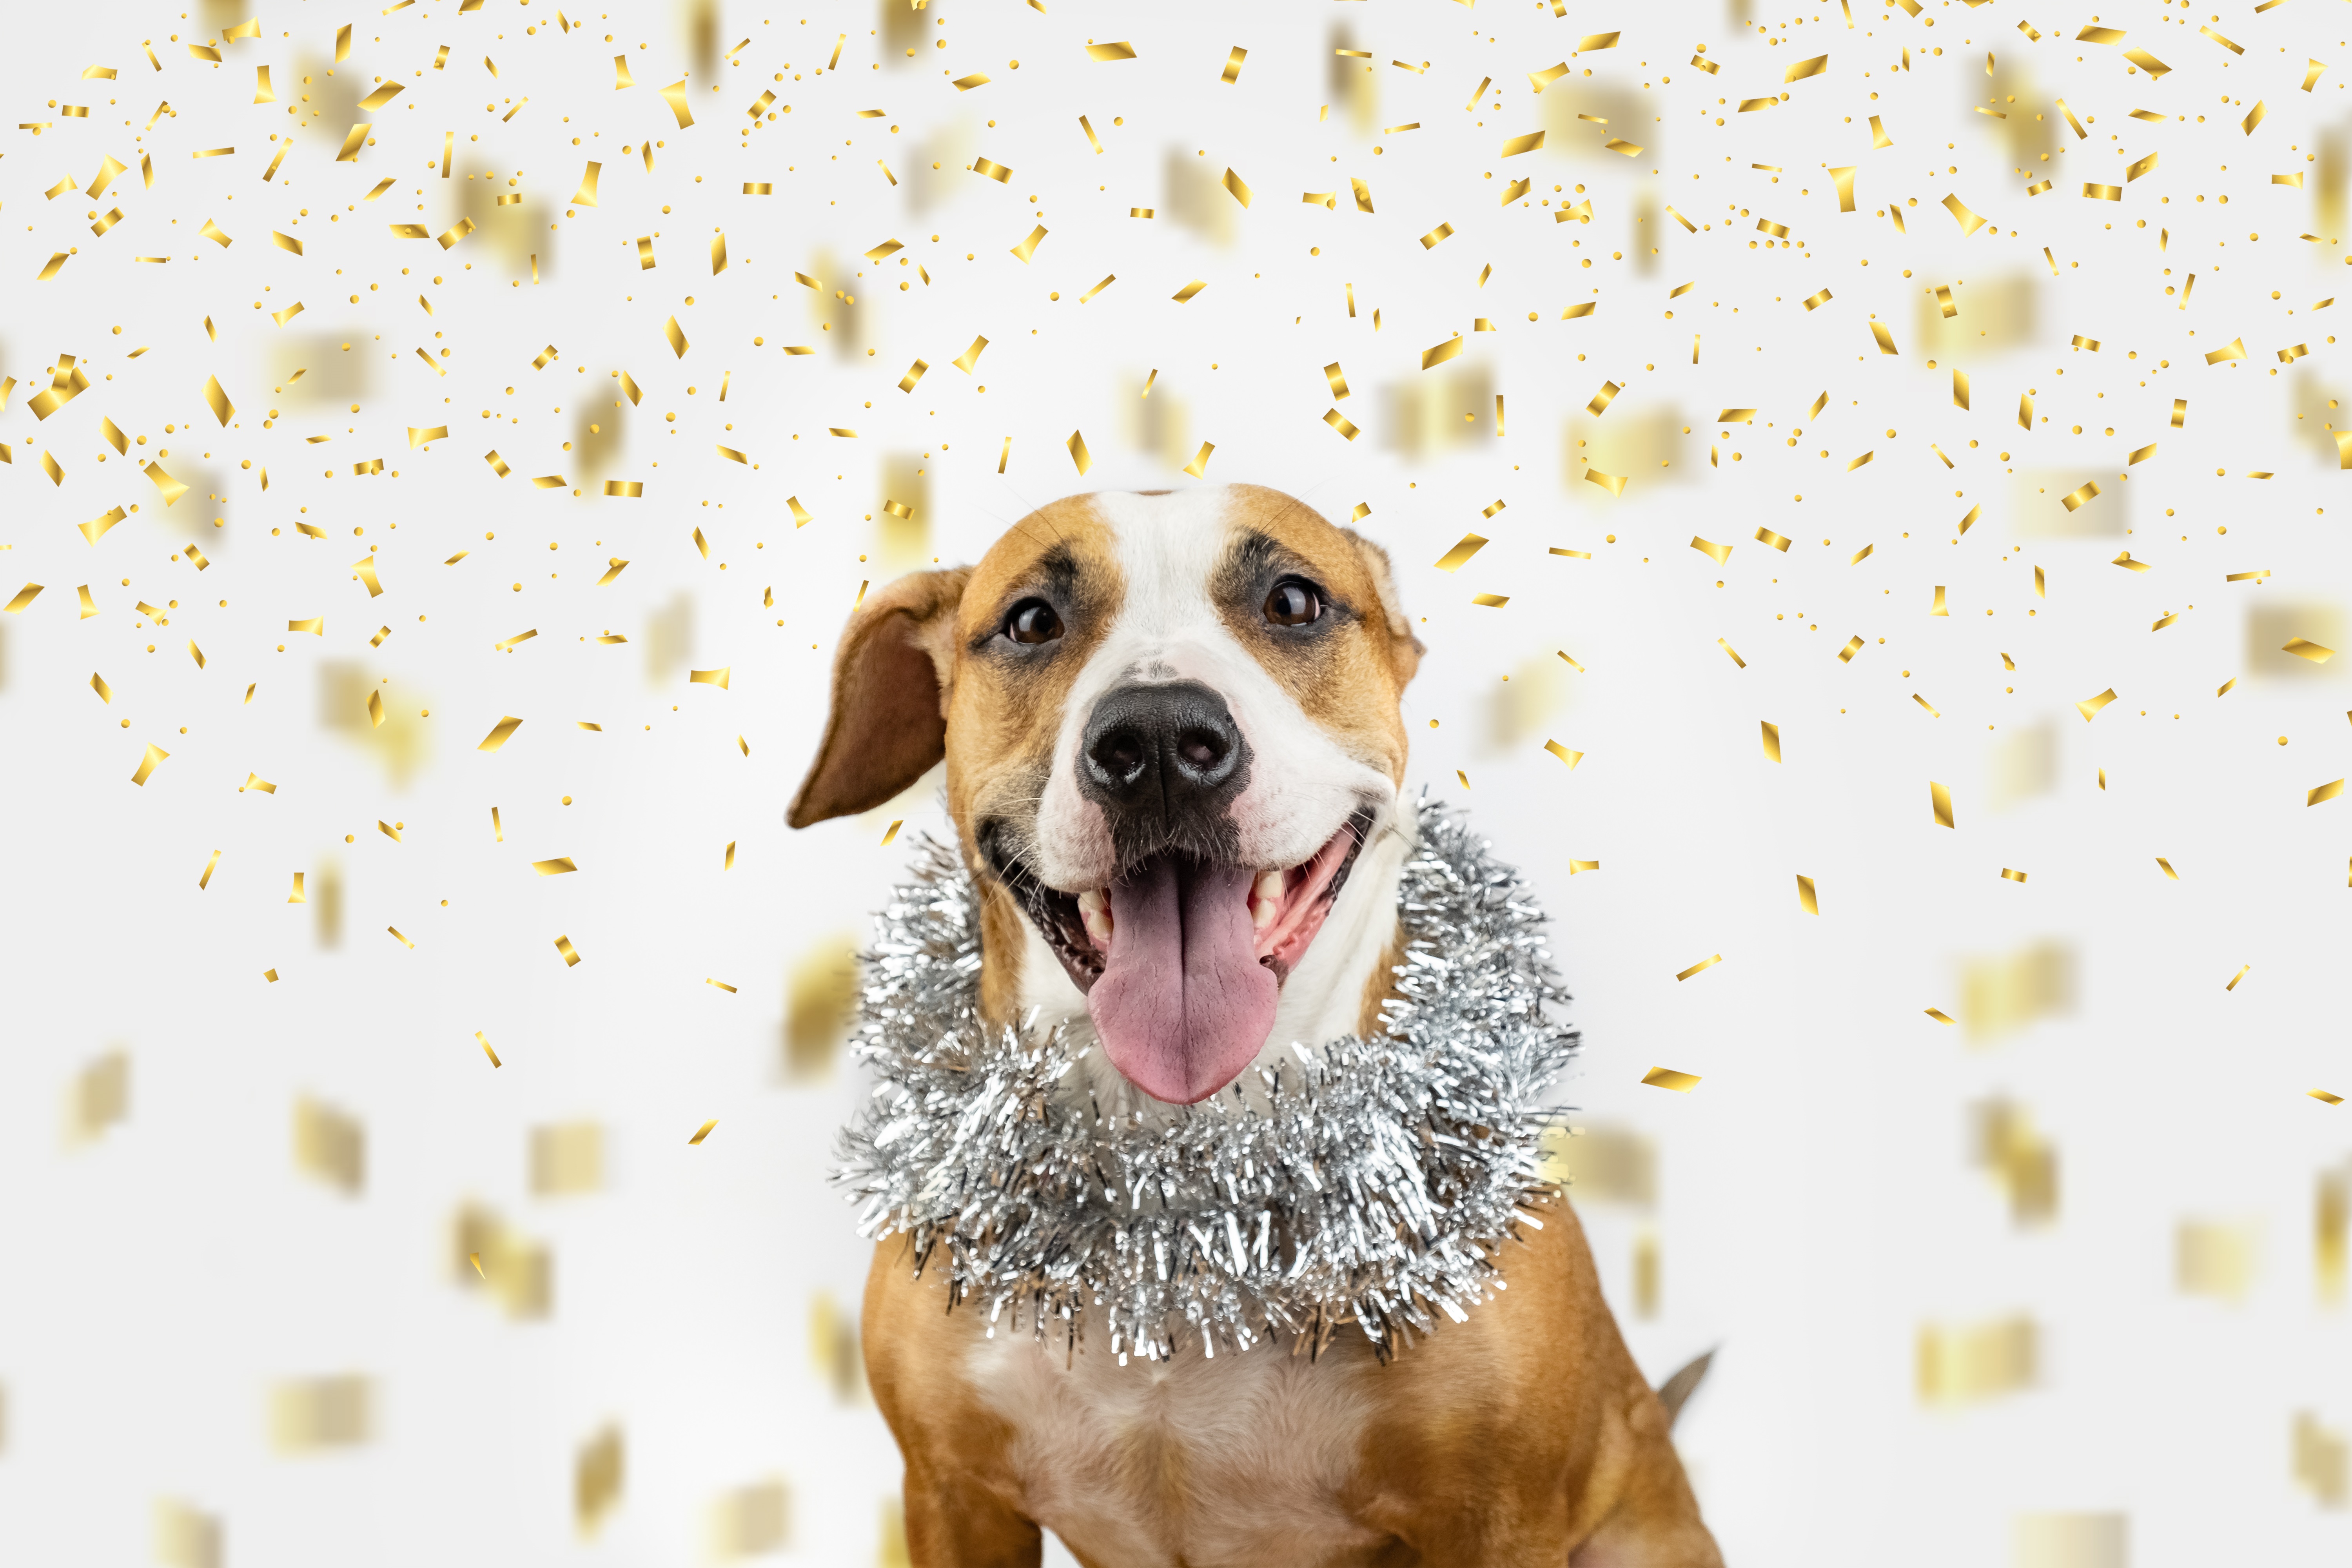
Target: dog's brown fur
<point>1525,1435</point>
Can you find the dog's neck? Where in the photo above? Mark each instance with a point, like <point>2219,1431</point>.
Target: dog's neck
<point>1334,990</point>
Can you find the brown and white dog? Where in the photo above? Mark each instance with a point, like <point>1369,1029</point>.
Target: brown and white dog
<point>1174,758</point>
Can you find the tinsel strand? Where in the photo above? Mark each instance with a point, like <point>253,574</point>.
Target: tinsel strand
<point>1364,1180</point>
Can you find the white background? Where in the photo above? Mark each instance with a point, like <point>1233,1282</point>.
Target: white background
<point>1817,1204</point>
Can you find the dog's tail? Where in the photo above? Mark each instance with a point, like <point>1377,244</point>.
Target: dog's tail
<point>1675,1391</point>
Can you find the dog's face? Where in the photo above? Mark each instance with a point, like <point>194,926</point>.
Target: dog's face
<point>1170,722</point>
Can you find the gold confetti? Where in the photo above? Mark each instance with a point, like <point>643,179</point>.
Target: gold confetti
<point>1753,105</point>
<point>1806,900</point>
<point>2321,1094</point>
<point>994,171</point>
<point>1885,340</point>
<point>1940,798</point>
<point>1742,663</point>
<point>2074,500</point>
<point>2103,192</point>
<point>500,733</point>
<point>2254,118</point>
<point>2319,791</point>
<point>1813,302</point>
<point>1718,553</point>
<point>1804,68</point>
<point>2242,971</point>
<point>571,954</point>
<point>2235,349</point>
<point>1576,866</point>
<point>677,343</point>
<point>1702,963</point>
<point>1562,752</point>
<point>1667,1078</point>
<point>718,677</point>
<point>2089,707</point>
<point>555,868</point>
<point>1239,188</point>
<point>1941,1017</point>
<point>1490,601</point>
<point>2302,648</point>
<point>704,1131</point>
<point>1433,357</point>
<point>1969,222</point>
<point>1332,418</point>
<point>1615,484</point>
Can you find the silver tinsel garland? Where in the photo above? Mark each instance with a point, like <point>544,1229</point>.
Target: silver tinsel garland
<point>1367,1180</point>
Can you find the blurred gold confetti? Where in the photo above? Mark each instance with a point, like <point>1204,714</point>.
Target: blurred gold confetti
<point>1667,1078</point>
<point>310,1413</point>
<point>1959,1365</point>
<point>2211,1258</point>
<point>597,1474</point>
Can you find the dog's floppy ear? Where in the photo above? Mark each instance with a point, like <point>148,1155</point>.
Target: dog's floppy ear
<point>891,679</point>
<point>1405,648</point>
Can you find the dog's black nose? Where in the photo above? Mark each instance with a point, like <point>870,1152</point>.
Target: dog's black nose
<point>1163,761</point>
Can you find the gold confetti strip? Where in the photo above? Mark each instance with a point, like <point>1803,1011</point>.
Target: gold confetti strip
<point>1814,302</point>
<point>1939,797</point>
<point>2302,648</point>
<point>1433,357</point>
<point>1884,340</point>
<point>704,1131</point>
<point>2241,974</point>
<point>1562,752</point>
<point>1806,899</point>
<point>255,781</point>
<point>2317,793</point>
<point>500,733</point>
<point>1615,484</point>
<point>1667,1078</point>
<point>1941,1017</point>
<point>1490,601</point>
<point>2089,707</point>
<point>1239,188</point>
<point>1335,419</point>
<point>571,954</point>
<point>718,677</point>
<point>1742,663</point>
<point>1576,866</point>
<point>994,171</point>
<point>1718,553</point>
<point>2017,877</point>
<point>555,868</point>
<point>1568,661</point>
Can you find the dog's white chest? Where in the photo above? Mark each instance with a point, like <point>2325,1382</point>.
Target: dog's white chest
<point>1240,1460</point>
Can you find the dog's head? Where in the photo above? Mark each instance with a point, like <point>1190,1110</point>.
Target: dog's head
<point>1170,722</point>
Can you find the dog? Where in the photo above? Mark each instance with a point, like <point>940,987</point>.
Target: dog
<point>1175,756</point>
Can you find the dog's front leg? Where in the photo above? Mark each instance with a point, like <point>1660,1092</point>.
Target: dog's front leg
<point>954,1521</point>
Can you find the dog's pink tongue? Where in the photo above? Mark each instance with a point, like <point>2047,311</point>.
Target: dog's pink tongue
<point>1183,1002</point>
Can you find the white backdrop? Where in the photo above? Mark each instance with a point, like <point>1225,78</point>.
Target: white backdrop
<point>2059,1282</point>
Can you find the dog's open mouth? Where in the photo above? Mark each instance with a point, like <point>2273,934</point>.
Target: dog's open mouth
<point>1181,959</point>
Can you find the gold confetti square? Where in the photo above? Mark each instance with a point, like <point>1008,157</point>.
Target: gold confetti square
<point>307,1414</point>
<point>567,1159</point>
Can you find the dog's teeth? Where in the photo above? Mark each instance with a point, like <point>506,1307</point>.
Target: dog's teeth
<point>1265,899</point>
<point>1094,909</point>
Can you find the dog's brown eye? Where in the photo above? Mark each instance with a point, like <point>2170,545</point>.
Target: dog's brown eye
<point>1293,603</point>
<point>1034,621</point>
